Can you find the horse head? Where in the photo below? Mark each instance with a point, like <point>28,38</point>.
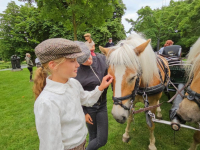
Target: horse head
<point>125,68</point>
<point>189,108</point>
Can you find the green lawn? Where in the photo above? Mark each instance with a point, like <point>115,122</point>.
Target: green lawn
<point>18,127</point>
<point>6,65</point>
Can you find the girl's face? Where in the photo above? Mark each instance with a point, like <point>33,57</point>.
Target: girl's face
<point>65,70</point>
<point>87,38</point>
<point>88,62</point>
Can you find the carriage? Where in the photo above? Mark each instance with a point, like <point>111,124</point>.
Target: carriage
<point>177,84</point>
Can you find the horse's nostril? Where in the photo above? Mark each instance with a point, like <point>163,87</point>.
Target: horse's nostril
<point>124,118</point>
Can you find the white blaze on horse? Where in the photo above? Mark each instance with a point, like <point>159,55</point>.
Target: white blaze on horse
<point>189,108</point>
<point>135,69</point>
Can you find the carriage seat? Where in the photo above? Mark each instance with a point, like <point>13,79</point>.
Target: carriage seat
<point>173,50</point>
<point>172,54</point>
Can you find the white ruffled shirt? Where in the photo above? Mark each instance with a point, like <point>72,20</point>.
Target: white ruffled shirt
<point>59,116</point>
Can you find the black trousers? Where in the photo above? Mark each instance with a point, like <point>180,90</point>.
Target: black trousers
<point>98,132</point>
<point>31,72</point>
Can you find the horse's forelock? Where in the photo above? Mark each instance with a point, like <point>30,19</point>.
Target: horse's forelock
<point>123,54</point>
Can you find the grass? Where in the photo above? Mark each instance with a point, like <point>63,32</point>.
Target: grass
<point>18,130</point>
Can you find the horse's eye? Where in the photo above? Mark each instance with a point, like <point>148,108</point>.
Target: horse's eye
<point>131,79</point>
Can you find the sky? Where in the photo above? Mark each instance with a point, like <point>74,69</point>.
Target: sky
<point>131,12</point>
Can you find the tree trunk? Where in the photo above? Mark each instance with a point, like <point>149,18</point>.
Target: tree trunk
<point>74,26</point>
<point>74,21</point>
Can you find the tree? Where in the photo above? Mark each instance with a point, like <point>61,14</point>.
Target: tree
<point>23,27</point>
<point>170,22</point>
<point>7,24</point>
<point>77,15</point>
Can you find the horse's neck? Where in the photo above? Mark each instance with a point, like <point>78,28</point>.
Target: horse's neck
<point>195,85</point>
<point>154,82</point>
<point>156,79</point>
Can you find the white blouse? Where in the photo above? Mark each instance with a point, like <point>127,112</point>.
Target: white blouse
<point>59,116</point>
<point>90,45</point>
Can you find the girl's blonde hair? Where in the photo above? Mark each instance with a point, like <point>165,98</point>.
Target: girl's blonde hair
<point>90,41</point>
<point>27,54</point>
<point>41,75</point>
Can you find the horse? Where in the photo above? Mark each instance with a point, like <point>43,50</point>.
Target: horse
<point>189,108</point>
<point>135,69</point>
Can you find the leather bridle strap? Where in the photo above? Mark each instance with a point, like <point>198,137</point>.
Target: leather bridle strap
<point>158,105</point>
<point>193,96</point>
<point>118,100</point>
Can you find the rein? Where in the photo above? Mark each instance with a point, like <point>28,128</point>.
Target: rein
<point>155,106</point>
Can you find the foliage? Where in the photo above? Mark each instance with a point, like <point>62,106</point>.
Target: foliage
<point>76,15</point>
<point>23,27</point>
<point>180,22</point>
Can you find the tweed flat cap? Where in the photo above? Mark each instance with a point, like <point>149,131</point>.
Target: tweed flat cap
<point>85,50</point>
<point>87,34</point>
<point>55,48</point>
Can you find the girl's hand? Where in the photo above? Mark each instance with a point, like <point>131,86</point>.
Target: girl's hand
<point>88,119</point>
<point>107,80</point>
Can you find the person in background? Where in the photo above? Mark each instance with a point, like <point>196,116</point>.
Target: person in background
<point>110,43</point>
<point>37,62</point>
<point>167,43</point>
<point>59,117</point>
<point>90,74</point>
<point>90,43</point>
<point>29,65</point>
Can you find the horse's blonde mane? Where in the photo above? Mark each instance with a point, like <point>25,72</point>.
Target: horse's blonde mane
<point>194,58</point>
<point>123,54</point>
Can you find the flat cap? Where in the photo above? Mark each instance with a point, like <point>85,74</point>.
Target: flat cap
<point>56,48</point>
<point>85,50</point>
<point>110,38</point>
<point>87,34</point>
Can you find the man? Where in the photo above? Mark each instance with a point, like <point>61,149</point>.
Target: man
<point>167,43</point>
<point>110,43</point>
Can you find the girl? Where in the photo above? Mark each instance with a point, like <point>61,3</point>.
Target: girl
<point>90,74</point>
<point>59,117</point>
<point>89,42</point>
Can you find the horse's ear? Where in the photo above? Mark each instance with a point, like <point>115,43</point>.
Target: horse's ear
<point>104,50</point>
<point>139,49</point>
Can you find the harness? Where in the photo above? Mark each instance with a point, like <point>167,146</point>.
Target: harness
<point>118,100</point>
<point>158,88</point>
<point>143,91</point>
<point>193,96</point>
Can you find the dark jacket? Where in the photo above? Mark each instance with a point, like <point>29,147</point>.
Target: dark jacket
<point>109,44</point>
<point>88,79</point>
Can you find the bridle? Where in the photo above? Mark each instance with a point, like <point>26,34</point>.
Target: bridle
<point>193,96</point>
<point>118,100</point>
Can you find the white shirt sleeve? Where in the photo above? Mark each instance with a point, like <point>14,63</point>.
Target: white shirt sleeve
<point>161,50</point>
<point>48,125</point>
<point>89,98</point>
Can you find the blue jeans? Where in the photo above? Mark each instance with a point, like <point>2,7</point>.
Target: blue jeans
<point>98,132</point>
